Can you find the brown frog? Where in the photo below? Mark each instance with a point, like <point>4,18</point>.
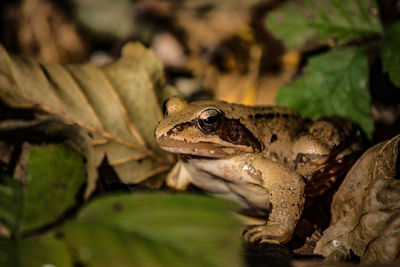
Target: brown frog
<point>265,158</point>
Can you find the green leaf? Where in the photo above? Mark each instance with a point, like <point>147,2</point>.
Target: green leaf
<point>11,198</point>
<point>55,174</point>
<point>291,24</point>
<point>156,230</point>
<point>334,83</point>
<point>34,251</point>
<point>390,53</point>
<point>319,20</point>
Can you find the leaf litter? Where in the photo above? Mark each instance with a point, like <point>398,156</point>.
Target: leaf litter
<point>119,104</point>
<point>366,209</point>
<point>49,178</point>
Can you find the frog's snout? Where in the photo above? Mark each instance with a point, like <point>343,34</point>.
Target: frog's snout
<point>158,132</point>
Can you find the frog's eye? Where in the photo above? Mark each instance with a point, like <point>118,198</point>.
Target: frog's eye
<point>209,120</point>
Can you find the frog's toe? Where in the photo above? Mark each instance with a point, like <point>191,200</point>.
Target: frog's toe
<point>338,255</point>
<point>266,234</point>
<point>253,234</point>
<point>258,234</point>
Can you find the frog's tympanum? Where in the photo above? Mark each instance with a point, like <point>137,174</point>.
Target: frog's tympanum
<point>268,159</point>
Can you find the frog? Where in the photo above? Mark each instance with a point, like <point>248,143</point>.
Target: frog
<point>268,159</point>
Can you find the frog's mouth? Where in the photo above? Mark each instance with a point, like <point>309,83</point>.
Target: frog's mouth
<point>203,149</point>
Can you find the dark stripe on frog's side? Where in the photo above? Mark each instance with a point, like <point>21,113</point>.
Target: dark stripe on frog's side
<point>231,130</point>
<point>180,127</point>
<point>234,132</point>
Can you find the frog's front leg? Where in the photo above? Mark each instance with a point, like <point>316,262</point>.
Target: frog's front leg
<point>286,190</point>
<point>178,178</point>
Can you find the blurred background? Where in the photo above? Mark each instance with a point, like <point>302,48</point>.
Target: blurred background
<point>238,51</point>
<point>223,47</point>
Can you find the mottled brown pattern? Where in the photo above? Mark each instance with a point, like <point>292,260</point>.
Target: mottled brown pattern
<point>265,158</point>
<point>273,138</point>
<point>234,132</point>
<point>272,115</point>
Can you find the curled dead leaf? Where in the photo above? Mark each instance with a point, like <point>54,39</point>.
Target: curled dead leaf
<point>119,104</point>
<point>366,209</point>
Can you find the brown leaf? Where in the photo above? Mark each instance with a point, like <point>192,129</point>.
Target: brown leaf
<point>366,208</point>
<point>224,45</point>
<point>119,104</point>
<point>42,30</point>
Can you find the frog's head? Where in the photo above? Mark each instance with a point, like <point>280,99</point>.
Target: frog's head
<point>203,128</point>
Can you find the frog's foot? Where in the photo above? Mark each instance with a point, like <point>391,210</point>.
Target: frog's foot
<point>339,254</point>
<point>178,178</point>
<point>267,233</point>
<point>345,144</point>
<point>333,171</point>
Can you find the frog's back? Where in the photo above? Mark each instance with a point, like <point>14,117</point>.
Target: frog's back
<point>276,128</point>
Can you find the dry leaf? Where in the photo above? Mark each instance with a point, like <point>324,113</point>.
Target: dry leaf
<point>118,103</point>
<point>234,60</point>
<point>366,209</point>
<point>224,45</point>
<point>40,29</point>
